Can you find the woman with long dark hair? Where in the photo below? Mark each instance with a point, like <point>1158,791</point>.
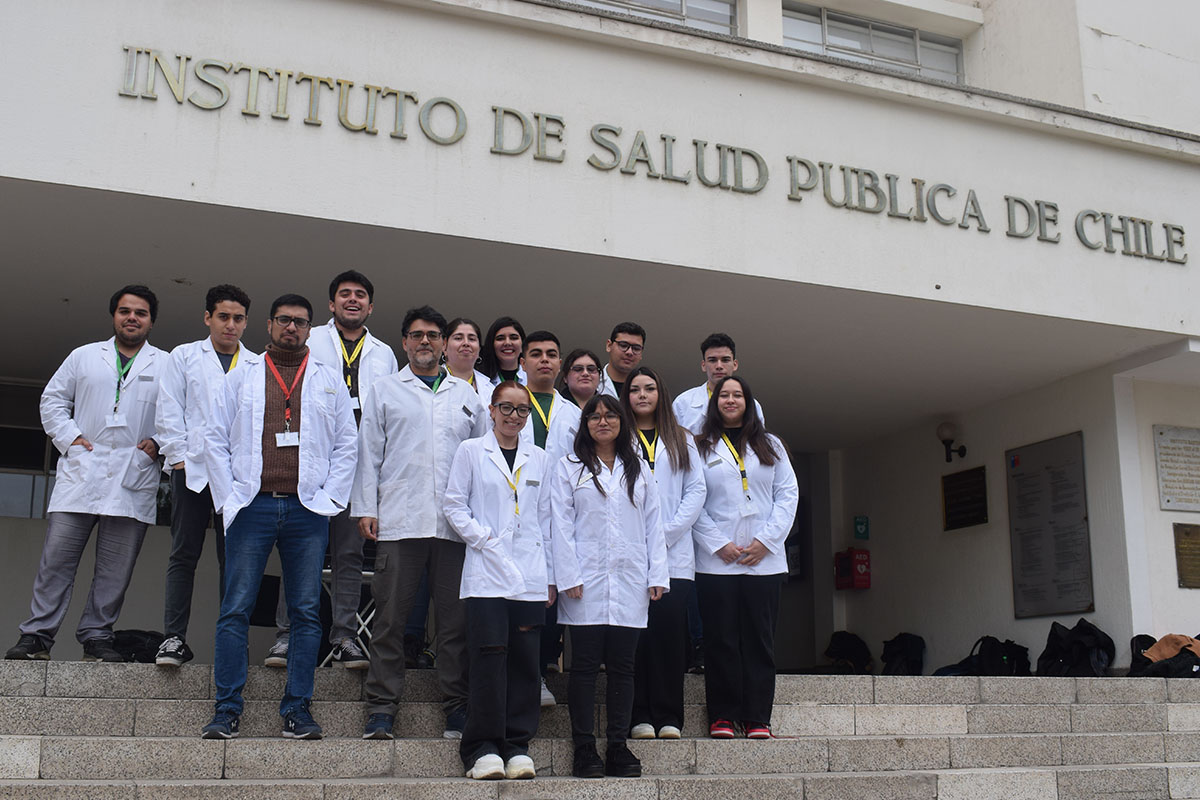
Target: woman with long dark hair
<point>740,559</point>
<point>610,561</point>
<point>580,377</point>
<point>670,454</point>
<point>501,357</point>
<point>463,342</point>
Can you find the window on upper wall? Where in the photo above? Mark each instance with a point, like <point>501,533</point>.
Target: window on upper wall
<point>819,30</point>
<point>27,462</point>
<point>714,16</point>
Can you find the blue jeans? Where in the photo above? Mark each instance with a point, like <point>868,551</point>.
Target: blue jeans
<point>301,536</point>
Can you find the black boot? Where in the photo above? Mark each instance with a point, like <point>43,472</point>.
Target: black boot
<point>619,762</point>
<point>587,763</point>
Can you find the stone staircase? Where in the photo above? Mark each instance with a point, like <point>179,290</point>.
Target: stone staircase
<point>80,730</point>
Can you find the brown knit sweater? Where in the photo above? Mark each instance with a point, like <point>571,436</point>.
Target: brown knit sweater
<point>281,465</point>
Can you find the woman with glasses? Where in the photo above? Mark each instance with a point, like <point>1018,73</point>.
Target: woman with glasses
<point>580,377</point>
<point>670,454</point>
<point>496,502</point>
<point>501,358</point>
<point>610,561</point>
<point>462,355</point>
<point>740,560</point>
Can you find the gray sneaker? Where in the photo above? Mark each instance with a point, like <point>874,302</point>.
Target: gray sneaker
<point>350,655</point>
<point>277,655</point>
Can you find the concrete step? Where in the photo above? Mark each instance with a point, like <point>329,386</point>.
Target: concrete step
<point>166,758</point>
<point>1150,781</point>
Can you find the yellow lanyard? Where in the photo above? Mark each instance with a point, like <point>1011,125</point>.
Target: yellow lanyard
<point>233,362</point>
<point>514,486</point>
<point>741,464</point>
<point>649,446</point>
<point>349,357</point>
<point>544,417</point>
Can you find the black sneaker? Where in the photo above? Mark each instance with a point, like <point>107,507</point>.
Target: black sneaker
<point>619,762</point>
<point>101,649</point>
<point>224,725</point>
<point>277,655</point>
<point>379,726</point>
<point>173,652</point>
<point>456,723</point>
<point>426,659</point>
<point>28,648</point>
<point>349,655</point>
<point>587,763</point>
<point>299,724</point>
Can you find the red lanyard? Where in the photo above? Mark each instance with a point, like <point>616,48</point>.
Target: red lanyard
<point>287,392</point>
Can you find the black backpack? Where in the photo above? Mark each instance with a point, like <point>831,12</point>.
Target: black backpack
<point>1084,651</point>
<point>849,654</point>
<point>136,645</point>
<point>904,655</point>
<point>1138,663</point>
<point>989,656</point>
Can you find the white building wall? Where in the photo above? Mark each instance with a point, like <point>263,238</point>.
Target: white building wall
<point>953,587</point>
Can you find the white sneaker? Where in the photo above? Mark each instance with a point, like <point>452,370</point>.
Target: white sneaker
<point>668,732</point>
<point>548,698</point>
<point>643,730</point>
<point>487,768</point>
<point>519,768</point>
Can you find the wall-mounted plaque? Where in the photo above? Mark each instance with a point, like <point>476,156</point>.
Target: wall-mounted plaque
<point>1187,555</point>
<point>1177,455</point>
<point>1048,528</point>
<point>964,499</point>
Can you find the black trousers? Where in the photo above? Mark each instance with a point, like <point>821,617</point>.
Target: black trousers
<point>662,659</point>
<point>552,634</point>
<point>190,512</point>
<point>504,699</point>
<point>591,646</point>
<point>739,613</point>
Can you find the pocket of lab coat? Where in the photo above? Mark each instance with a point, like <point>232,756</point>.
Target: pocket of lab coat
<point>141,473</point>
<point>75,464</point>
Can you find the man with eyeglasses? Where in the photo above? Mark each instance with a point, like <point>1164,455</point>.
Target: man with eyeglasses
<point>718,360</point>
<point>281,453</point>
<point>412,424</point>
<point>344,342</point>
<point>624,348</point>
<point>194,376</point>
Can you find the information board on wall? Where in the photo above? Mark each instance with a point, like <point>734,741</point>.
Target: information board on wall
<point>1177,457</point>
<point>1048,528</point>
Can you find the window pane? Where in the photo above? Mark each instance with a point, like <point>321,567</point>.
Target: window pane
<point>16,495</point>
<point>848,34</point>
<point>799,27</point>
<point>894,44</point>
<point>22,448</point>
<point>939,57</point>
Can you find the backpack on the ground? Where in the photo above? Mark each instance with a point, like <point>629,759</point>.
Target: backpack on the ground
<point>139,646</point>
<point>849,654</point>
<point>1080,652</point>
<point>904,655</point>
<point>1138,661</point>
<point>989,656</point>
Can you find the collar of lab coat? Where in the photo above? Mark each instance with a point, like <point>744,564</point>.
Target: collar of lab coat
<point>244,355</point>
<point>492,445</point>
<point>143,359</point>
<point>700,396</point>
<point>406,374</point>
<point>336,336</point>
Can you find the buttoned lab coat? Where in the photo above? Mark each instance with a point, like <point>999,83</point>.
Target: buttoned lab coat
<point>191,381</point>
<point>691,407</point>
<point>681,497</point>
<point>328,443</point>
<point>508,554</point>
<point>374,362</point>
<point>114,478</point>
<point>726,517</point>
<point>614,548</point>
<point>564,424</point>
<point>407,441</point>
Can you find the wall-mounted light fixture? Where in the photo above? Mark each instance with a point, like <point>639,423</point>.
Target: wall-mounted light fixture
<point>947,432</point>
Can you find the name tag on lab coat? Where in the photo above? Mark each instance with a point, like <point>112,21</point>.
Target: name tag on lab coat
<point>114,420</point>
<point>289,439</point>
<point>354,403</point>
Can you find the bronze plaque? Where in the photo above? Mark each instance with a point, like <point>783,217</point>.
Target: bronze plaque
<point>964,499</point>
<point>1187,555</point>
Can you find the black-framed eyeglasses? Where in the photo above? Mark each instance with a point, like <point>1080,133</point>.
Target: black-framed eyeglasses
<point>582,368</point>
<point>300,322</point>
<point>628,347</point>
<point>507,410</point>
<point>416,336</point>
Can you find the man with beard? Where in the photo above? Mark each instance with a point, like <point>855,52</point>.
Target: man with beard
<point>624,348</point>
<point>281,453</point>
<point>412,424</point>
<point>99,411</point>
<point>344,342</point>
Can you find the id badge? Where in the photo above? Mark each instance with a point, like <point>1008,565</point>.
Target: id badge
<point>747,506</point>
<point>354,404</point>
<point>290,439</point>
<point>114,420</point>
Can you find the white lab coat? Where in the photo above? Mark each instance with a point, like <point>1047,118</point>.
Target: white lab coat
<point>328,447</point>
<point>191,381</point>
<point>507,554</point>
<point>484,386</point>
<point>691,407</point>
<point>613,548</point>
<point>521,379</point>
<point>726,517</point>
<point>564,424</point>
<point>375,361</point>
<point>407,440</point>
<point>681,495</point>
<point>606,384</point>
<point>114,478</point>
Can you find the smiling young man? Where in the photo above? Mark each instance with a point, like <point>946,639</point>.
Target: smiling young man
<point>98,409</point>
<point>344,343</point>
<point>412,424</point>
<point>718,360</point>
<point>194,376</point>
<point>624,347</point>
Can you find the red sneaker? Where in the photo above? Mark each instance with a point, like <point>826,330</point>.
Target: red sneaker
<point>757,730</point>
<point>721,729</point>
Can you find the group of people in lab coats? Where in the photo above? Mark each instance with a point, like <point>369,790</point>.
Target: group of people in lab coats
<point>526,489</point>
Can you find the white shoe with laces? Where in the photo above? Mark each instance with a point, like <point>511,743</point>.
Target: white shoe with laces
<point>548,698</point>
<point>487,768</point>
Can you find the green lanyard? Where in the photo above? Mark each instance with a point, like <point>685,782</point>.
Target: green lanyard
<point>121,373</point>
<point>436,383</point>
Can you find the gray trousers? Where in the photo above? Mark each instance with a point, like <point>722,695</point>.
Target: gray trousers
<point>118,542</point>
<point>345,568</point>
<point>398,568</point>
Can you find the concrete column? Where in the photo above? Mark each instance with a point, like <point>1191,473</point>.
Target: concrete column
<point>760,20</point>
